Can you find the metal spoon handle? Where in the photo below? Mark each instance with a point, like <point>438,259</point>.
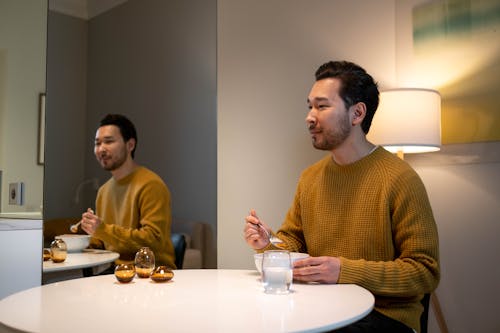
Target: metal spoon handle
<point>265,230</point>
<point>270,236</point>
<point>74,227</point>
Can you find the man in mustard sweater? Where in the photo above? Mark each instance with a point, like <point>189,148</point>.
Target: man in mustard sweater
<point>361,213</point>
<point>133,206</point>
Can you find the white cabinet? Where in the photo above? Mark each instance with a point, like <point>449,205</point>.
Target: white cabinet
<point>21,246</point>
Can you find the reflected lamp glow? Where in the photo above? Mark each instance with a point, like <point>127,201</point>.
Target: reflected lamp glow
<point>408,121</point>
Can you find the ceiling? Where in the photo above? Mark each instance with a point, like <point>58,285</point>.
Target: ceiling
<point>84,9</point>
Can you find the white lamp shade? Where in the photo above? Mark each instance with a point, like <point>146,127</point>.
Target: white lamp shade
<point>408,121</point>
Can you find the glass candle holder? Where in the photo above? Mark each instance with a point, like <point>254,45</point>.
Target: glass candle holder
<point>58,250</point>
<point>46,254</point>
<point>162,274</point>
<point>124,273</point>
<point>144,262</point>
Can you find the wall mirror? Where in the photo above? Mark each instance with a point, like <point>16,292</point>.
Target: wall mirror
<point>23,26</point>
<point>154,62</point>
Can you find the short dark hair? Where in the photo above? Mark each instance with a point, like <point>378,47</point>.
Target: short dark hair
<point>127,128</point>
<point>356,86</point>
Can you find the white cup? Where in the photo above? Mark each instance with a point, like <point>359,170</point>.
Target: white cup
<point>277,274</point>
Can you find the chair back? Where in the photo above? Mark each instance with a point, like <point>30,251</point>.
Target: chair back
<point>425,314</point>
<point>200,243</point>
<point>179,243</point>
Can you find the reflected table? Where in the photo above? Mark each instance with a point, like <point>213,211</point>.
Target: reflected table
<point>193,301</point>
<point>76,265</point>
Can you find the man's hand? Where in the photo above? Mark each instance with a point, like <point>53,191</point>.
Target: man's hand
<point>317,269</point>
<point>90,222</point>
<point>254,232</point>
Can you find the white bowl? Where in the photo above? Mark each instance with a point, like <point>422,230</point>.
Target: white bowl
<point>293,255</point>
<point>75,243</point>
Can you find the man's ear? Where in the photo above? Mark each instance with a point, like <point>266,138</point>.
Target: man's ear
<point>131,144</point>
<point>358,113</point>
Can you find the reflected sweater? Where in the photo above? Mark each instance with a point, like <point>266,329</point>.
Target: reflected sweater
<point>135,211</point>
<point>375,216</point>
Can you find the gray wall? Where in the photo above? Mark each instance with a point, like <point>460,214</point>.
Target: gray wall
<point>66,116</point>
<point>157,65</point>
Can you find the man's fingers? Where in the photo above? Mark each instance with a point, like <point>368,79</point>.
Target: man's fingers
<point>310,261</point>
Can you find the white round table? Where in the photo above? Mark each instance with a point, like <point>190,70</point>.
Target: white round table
<point>194,301</point>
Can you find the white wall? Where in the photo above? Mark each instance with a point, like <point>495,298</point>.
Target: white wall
<point>22,49</point>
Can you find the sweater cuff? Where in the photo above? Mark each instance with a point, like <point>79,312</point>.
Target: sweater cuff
<point>349,273</point>
<point>99,231</point>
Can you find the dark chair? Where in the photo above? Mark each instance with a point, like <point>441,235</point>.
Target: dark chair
<point>179,242</point>
<point>424,316</point>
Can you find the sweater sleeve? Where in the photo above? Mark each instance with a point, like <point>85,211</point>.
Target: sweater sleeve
<point>291,231</point>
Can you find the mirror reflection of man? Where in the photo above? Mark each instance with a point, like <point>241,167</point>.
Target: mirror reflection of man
<point>133,206</point>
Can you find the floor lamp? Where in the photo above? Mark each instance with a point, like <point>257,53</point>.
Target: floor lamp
<point>408,120</point>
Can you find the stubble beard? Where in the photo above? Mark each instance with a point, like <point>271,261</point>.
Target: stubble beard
<point>115,164</point>
<point>334,138</point>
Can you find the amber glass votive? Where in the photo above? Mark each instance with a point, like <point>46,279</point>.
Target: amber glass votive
<point>162,274</point>
<point>58,250</point>
<point>46,254</point>
<point>144,262</point>
<point>124,273</point>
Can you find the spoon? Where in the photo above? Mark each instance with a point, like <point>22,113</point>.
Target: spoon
<point>270,235</point>
<point>74,227</point>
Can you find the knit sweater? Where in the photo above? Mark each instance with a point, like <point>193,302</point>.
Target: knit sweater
<point>375,216</point>
<point>135,211</point>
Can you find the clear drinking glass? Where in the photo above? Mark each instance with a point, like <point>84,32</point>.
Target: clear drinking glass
<point>277,274</point>
<point>144,262</point>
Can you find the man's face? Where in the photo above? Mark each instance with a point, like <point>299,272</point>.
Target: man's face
<point>110,149</point>
<point>328,119</point>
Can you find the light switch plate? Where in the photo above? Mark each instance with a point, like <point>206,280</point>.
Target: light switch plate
<point>16,193</point>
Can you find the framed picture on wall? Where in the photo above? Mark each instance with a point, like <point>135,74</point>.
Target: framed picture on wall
<point>435,47</point>
<point>41,129</point>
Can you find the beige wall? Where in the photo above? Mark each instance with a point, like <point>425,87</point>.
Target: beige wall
<point>267,55</point>
<point>463,183</point>
<point>22,49</point>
